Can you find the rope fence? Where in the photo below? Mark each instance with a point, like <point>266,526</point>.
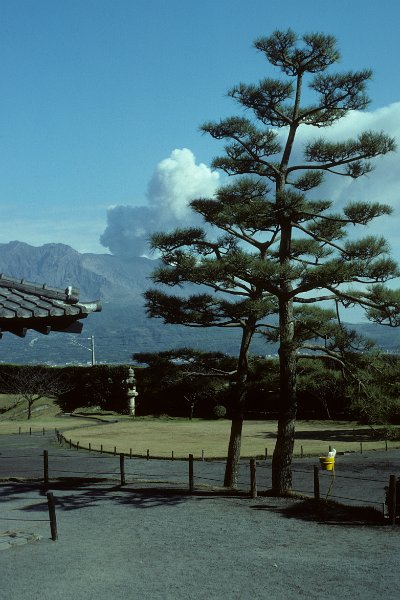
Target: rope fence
<point>192,474</point>
<point>126,471</point>
<point>264,453</point>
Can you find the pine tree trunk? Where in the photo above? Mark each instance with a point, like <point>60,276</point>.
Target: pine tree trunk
<point>282,457</point>
<point>232,463</point>
<point>283,453</point>
<point>235,440</point>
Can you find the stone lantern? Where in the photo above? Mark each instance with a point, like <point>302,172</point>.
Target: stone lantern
<point>131,391</point>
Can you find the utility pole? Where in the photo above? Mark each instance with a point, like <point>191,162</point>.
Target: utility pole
<point>92,345</point>
<point>91,349</point>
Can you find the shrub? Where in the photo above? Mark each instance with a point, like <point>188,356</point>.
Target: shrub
<point>390,433</point>
<point>219,411</point>
<point>394,416</point>
<point>103,386</point>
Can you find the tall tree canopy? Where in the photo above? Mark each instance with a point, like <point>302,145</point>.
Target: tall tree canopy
<point>274,249</point>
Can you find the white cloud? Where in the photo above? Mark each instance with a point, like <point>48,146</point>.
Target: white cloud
<point>381,185</point>
<point>178,179</point>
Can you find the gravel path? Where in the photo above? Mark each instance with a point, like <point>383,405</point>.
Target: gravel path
<point>137,543</point>
<point>359,479</point>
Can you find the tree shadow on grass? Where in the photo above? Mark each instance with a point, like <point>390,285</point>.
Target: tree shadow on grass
<point>329,435</point>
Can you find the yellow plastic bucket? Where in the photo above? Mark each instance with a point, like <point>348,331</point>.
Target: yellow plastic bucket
<point>327,462</point>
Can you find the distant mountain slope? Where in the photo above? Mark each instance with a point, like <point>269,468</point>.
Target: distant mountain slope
<point>122,328</point>
<point>98,276</point>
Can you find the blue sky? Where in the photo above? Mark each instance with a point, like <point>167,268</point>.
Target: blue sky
<point>102,101</point>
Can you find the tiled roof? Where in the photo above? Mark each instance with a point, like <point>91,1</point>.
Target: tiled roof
<point>25,305</point>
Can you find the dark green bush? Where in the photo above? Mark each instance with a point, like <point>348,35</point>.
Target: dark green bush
<point>219,411</point>
<point>101,385</point>
<point>104,386</point>
<point>394,416</point>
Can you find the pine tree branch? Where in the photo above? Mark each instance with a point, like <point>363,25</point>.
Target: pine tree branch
<point>318,238</point>
<point>313,299</point>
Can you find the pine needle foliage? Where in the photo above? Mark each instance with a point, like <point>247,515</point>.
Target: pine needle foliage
<point>269,255</point>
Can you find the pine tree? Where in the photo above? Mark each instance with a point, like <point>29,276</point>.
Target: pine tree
<point>280,251</point>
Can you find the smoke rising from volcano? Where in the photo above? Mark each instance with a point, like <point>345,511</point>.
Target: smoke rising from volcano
<point>175,182</point>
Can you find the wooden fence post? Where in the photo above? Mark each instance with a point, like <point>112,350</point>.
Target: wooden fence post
<point>46,466</point>
<point>266,453</point>
<point>122,468</point>
<point>316,483</point>
<point>52,516</point>
<point>392,500</point>
<point>191,478</point>
<point>253,478</point>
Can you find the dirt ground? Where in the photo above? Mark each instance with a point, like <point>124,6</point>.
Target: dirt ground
<point>149,540</point>
<point>118,543</point>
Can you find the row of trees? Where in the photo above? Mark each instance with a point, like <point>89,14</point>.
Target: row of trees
<point>189,383</point>
<point>101,386</point>
<point>273,258</point>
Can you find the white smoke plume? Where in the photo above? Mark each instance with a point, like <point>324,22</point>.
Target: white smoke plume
<point>175,182</point>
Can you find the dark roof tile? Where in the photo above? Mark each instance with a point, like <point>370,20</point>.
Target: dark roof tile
<point>26,305</point>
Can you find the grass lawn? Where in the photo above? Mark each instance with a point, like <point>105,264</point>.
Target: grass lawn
<point>44,414</point>
<point>161,436</point>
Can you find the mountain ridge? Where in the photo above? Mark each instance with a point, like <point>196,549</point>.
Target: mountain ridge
<point>122,328</point>
<point>98,276</point>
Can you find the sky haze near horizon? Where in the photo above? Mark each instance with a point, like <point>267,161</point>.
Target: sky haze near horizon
<point>103,99</point>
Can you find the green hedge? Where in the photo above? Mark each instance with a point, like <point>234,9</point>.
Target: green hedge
<point>101,385</point>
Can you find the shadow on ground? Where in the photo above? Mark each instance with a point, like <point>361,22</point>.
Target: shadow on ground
<point>78,496</point>
<point>70,496</point>
<point>329,435</point>
<point>329,512</point>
